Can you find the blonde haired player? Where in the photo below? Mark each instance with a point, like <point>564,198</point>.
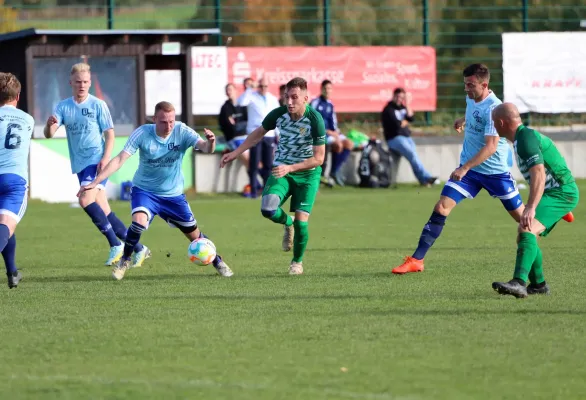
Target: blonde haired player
<point>90,138</point>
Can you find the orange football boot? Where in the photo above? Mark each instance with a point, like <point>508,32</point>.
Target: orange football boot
<point>409,265</point>
<point>569,217</point>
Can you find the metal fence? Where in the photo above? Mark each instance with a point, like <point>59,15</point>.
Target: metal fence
<point>462,31</point>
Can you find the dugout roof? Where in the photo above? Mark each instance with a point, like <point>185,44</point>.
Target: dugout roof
<point>148,37</point>
<point>152,48</point>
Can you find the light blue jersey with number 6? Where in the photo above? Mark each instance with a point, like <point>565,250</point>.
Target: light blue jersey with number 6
<point>16,131</point>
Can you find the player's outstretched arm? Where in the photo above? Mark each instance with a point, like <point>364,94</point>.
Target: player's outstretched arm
<point>51,127</point>
<point>114,165</point>
<point>251,140</point>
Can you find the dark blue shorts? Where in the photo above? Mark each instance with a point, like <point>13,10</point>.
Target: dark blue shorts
<point>502,186</point>
<point>175,210</point>
<point>87,176</point>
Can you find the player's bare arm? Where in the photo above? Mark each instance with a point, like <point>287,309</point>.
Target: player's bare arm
<point>319,153</point>
<point>251,140</point>
<point>114,165</point>
<point>490,147</point>
<point>209,146</point>
<point>536,189</point>
<point>109,138</point>
<point>50,127</point>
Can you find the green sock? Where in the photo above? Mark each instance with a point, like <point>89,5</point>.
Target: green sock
<point>300,240</point>
<point>536,274</point>
<point>526,254</point>
<point>281,217</point>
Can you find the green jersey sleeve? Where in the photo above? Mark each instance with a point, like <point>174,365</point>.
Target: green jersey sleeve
<point>529,148</point>
<point>318,128</point>
<point>270,121</point>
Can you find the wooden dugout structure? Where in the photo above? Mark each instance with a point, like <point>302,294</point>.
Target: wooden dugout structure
<point>156,49</point>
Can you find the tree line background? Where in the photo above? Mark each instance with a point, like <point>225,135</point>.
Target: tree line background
<point>462,31</point>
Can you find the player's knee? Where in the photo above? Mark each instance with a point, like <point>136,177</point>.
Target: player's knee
<point>9,221</point>
<point>269,205</point>
<point>86,199</point>
<point>141,217</point>
<point>444,206</point>
<point>301,216</point>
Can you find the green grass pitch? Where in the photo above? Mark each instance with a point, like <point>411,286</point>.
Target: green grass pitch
<point>347,329</point>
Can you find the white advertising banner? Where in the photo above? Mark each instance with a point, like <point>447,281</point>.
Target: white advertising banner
<point>162,85</point>
<point>545,72</point>
<point>209,67</point>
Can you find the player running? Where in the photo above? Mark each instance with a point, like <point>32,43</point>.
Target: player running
<point>90,138</point>
<point>158,182</point>
<point>297,167</point>
<point>553,194</point>
<point>16,130</point>
<point>483,165</point>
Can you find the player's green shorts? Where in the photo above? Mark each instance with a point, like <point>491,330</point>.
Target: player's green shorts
<point>554,204</point>
<point>302,187</point>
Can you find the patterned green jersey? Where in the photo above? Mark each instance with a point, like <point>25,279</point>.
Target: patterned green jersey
<point>533,148</point>
<point>296,138</point>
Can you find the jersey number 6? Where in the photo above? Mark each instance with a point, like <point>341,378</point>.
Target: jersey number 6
<point>10,135</point>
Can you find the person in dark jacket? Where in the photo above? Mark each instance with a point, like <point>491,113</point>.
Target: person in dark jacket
<point>232,121</point>
<point>395,118</point>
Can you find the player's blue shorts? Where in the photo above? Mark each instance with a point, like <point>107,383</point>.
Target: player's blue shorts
<point>175,210</point>
<point>502,186</point>
<point>13,196</point>
<point>87,176</point>
<point>234,143</point>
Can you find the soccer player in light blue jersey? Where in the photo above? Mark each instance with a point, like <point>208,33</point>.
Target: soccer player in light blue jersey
<point>484,164</point>
<point>158,182</point>
<point>16,129</point>
<point>90,138</point>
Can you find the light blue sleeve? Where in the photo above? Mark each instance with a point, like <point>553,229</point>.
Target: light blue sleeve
<point>134,141</point>
<point>58,113</point>
<point>190,137</point>
<point>489,129</point>
<point>104,117</point>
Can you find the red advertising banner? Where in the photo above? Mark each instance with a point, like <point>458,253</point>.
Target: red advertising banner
<point>363,77</point>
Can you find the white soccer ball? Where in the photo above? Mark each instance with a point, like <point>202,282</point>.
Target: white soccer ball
<point>201,251</point>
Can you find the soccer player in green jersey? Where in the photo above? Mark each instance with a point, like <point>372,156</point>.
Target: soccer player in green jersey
<point>553,194</point>
<point>297,166</point>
